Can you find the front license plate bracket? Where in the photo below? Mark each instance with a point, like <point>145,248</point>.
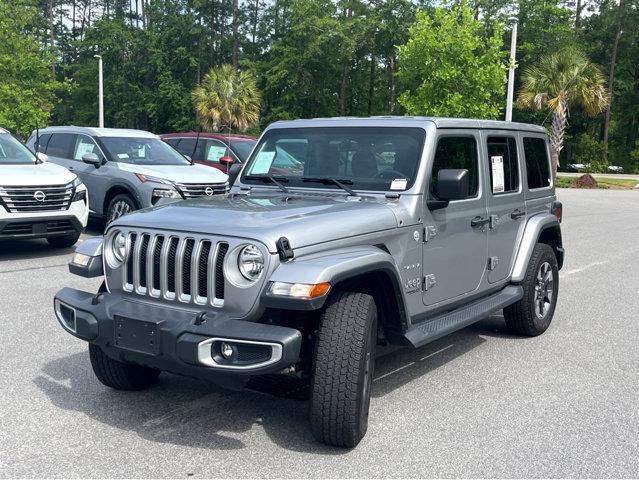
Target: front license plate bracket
<point>136,335</point>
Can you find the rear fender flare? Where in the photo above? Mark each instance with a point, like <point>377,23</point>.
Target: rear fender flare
<point>534,230</point>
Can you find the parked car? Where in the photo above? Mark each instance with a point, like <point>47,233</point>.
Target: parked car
<point>212,149</point>
<point>38,199</point>
<point>393,231</point>
<point>615,169</point>
<point>125,170</point>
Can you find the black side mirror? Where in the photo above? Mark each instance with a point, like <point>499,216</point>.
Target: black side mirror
<point>452,184</point>
<point>92,159</point>
<point>234,171</point>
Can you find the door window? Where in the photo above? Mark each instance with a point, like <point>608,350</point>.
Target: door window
<point>214,151</point>
<point>457,152</point>
<point>185,146</point>
<point>42,142</point>
<point>61,145</point>
<point>537,164</point>
<point>84,145</point>
<point>502,158</point>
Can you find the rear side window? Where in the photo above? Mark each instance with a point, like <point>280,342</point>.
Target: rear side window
<point>61,145</point>
<point>43,140</point>
<point>537,163</point>
<point>185,146</point>
<point>457,153</point>
<point>504,172</point>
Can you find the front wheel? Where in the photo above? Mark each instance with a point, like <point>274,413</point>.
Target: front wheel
<point>343,369</point>
<point>532,314</point>
<point>120,375</point>
<point>120,205</point>
<point>65,241</point>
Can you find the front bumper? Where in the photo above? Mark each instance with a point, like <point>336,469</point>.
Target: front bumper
<point>176,340</point>
<point>23,228</point>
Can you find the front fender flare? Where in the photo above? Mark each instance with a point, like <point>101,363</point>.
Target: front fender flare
<point>333,266</point>
<point>534,228</point>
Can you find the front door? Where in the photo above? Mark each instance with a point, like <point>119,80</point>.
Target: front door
<point>506,205</point>
<point>95,179</point>
<point>454,258</point>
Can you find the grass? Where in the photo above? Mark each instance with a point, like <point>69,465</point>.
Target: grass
<point>602,182</point>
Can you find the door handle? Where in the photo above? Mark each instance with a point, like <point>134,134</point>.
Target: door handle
<point>517,214</point>
<point>479,222</point>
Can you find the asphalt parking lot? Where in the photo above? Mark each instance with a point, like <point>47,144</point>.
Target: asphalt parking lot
<point>479,403</point>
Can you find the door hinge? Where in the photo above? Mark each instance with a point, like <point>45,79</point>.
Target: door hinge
<point>429,232</point>
<point>493,262</point>
<point>429,282</point>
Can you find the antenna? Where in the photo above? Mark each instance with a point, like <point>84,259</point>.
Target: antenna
<point>37,142</point>
<point>197,139</point>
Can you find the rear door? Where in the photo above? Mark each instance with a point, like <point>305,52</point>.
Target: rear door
<point>60,149</point>
<point>506,205</point>
<point>455,251</point>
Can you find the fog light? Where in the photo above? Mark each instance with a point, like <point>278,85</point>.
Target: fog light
<point>227,350</point>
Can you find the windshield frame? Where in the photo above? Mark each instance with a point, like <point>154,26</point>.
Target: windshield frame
<point>419,132</point>
<point>114,158</point>
<point>20,146</point>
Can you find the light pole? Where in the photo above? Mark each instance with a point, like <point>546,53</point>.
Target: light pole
<point>511,69</point>
<point>100,93</point>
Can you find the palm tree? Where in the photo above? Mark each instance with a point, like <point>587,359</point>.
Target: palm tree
<point>558,81</point>
<point>227,99</point>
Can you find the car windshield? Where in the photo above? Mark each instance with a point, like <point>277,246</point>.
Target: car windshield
<point>142,151</point>
<point>12,152</point>
<point>365,158</point>
<point>243,148</point>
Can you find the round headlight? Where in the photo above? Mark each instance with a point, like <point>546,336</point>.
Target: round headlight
<point>119,246</point>
<point>250,262</point>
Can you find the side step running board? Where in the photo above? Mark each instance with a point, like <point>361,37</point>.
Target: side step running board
<point>448,322</point>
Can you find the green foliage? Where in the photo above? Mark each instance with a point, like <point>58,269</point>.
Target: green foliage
<point>451,67</point>
<point>592,152</point>
<point>227,99</point>
<point>27,86</point>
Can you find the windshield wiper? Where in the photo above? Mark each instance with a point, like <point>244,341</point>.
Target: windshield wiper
<point>272,179</point>
<point>334,181</point>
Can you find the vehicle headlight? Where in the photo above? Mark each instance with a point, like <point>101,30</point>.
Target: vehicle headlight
<point>115,250</point>
<point>159,193</point>
<point>250,261</point>
<point>75,183</point>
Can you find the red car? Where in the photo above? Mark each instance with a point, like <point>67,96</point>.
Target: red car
<point>212,149</point>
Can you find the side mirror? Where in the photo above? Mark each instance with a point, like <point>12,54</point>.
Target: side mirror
<point>42,157</point>
<point>452,184</point>
<point>234,171</point>
<point>227,160</point>
<point>92,159</point>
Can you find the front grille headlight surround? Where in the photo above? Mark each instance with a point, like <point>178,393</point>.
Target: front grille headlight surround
<point>245,265</point>
<point>115,248</point>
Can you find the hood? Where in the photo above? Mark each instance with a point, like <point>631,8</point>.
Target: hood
<point>304,220</point>
<point>178,173</point>
<point>34,175</point>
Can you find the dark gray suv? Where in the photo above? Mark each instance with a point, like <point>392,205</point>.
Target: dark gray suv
<point>338,235</point>
<point>125,170</point>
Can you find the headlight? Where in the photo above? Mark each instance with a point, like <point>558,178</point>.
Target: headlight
<point>250,261</point>
<point>148,178</point>
<point>159,193</point>
<point>115,249</point>
<point>75,183</point>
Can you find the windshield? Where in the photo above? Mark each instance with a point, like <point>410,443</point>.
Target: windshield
<point>142,151</point>
<point>366,158</point>
<point>12,152</point>
<point>243,148</point>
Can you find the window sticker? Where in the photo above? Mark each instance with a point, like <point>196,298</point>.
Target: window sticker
<point>262,163</point>
<point>215,152</point>
<point>123,155</point>
<point>399,184</point>
<point>497,164</point>
<point>82,149</point>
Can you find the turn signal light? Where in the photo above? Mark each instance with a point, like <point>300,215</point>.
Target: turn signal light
<point>299,290</point>
<point>557,210</point>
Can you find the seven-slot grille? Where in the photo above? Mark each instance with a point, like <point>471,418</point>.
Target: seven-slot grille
<point>36,199</point>
<point>175,268</point>
<point>192,190</point>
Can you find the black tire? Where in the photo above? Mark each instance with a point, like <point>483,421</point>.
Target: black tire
<point>532,314</point>
<point>342,373</point>
<point>120,205</point>
<point>65,241</point>
<point>119,375</point>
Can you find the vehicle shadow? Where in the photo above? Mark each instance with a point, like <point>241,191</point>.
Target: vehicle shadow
<point>194,413</point>
<point>29,249</point>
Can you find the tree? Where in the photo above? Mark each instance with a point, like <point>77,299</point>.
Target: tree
<point>227,99</point>
<point>451,67</point>
<point>559,81</point>
<point>611,77</point>
<point>27,85</point>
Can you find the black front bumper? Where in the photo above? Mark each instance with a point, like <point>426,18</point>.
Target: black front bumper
<point>38,227</point>
<point>174,339</point>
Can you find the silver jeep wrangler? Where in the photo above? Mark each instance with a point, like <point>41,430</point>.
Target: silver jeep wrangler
<point>338,235</point>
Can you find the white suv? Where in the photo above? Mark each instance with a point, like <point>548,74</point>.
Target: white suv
<point>37,199</point>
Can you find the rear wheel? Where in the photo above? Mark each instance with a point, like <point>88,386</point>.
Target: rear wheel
<point>343,369</point>
<point>533,313</point>
<point>65,241</point>
<point>120,205</point>
<point>120,375</point>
